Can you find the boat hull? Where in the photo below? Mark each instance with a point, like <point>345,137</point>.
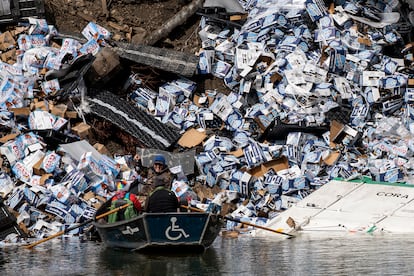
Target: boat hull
<point>150,231</point>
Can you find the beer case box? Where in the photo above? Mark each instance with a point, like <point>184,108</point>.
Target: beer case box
<point>95,201</point>
<point>89,195</point>
<point>21,111</point>
<point>331,157</point>
<point>7,41</point>
<point>100,200</point>
<point>71,114</point>
<point>192,138</point>
<point>278,164</point>
<point>82,130</point>
<point>33,153</point>
<point>97,205</point>
<point>39,105</point>
<point>8,137</point>
<point>9,56</point>
<point>91,169</point>
<point>336,132</point>
<point>105,66</point>
<point>45,177</point>
<point>37,168</point>
<point>58,110</point>
<point>101,149</point>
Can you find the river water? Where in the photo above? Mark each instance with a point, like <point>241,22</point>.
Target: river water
<point>350,254</point>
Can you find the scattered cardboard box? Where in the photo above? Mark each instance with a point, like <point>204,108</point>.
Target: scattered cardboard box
<point>45,177</point>
<point>237,153</point>
<point>71,114</point>
<point>21,111</point>
<point>37,168</point>
<point>336,131</point>
<point>42,105</point>
<point>9,56</point>
<point>6,41</point>
<point>101,149</point>
<point>89,195</point>
<point>8,137</point>
<point>278,164</point>
<point>200,100</point>
<point>331,158</point>
<point>192,138</point>
<point>58,110</point>
<point>82,130</point>
<point>105,65</point>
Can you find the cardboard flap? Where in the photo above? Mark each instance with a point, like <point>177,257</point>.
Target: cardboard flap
<point>237,153</point>
<point>192,138</point>
<point>278,164</point>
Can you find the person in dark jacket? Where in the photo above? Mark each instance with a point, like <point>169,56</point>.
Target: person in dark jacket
<point>161,199</point>
<point>160,171</point>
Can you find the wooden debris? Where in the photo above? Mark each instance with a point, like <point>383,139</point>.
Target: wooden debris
<point>105,8</point>
<point>86,17</point>
<point>174,22</point>
<point>124,28</point>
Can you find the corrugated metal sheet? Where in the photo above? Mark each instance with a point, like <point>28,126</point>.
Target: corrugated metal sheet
<point>168,60</point>
<point>148,130</point>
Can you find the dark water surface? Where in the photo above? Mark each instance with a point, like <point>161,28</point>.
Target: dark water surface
<point>352,254</point>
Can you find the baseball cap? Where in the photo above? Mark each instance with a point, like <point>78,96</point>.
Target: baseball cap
<point>159,159</point>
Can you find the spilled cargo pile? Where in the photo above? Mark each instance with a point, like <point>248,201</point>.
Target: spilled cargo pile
<point>311,93</point>
<point>316,93</point>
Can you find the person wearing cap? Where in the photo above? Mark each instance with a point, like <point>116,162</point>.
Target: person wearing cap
<point>160,171</point>
<point>161,199</point>
<point>145,183</point>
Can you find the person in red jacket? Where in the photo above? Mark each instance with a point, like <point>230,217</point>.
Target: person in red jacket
<point>121,195</point>
<point>121,198</point>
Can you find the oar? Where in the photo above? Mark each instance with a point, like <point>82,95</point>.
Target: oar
<point>259,226</point>
<point>242,222</point>
<point>75,226</point>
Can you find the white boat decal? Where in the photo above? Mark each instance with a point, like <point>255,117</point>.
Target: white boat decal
<point>392,195</point>
<point>130,231</point>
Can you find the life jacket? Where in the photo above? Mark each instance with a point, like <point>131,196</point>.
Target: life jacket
<point>124,214</point>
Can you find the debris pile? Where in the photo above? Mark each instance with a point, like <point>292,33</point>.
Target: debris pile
<point>312,92</point>
<point>316,93</point>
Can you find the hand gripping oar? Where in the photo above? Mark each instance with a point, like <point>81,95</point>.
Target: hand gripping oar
<point>242,222</point>
<point>76,226</point>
